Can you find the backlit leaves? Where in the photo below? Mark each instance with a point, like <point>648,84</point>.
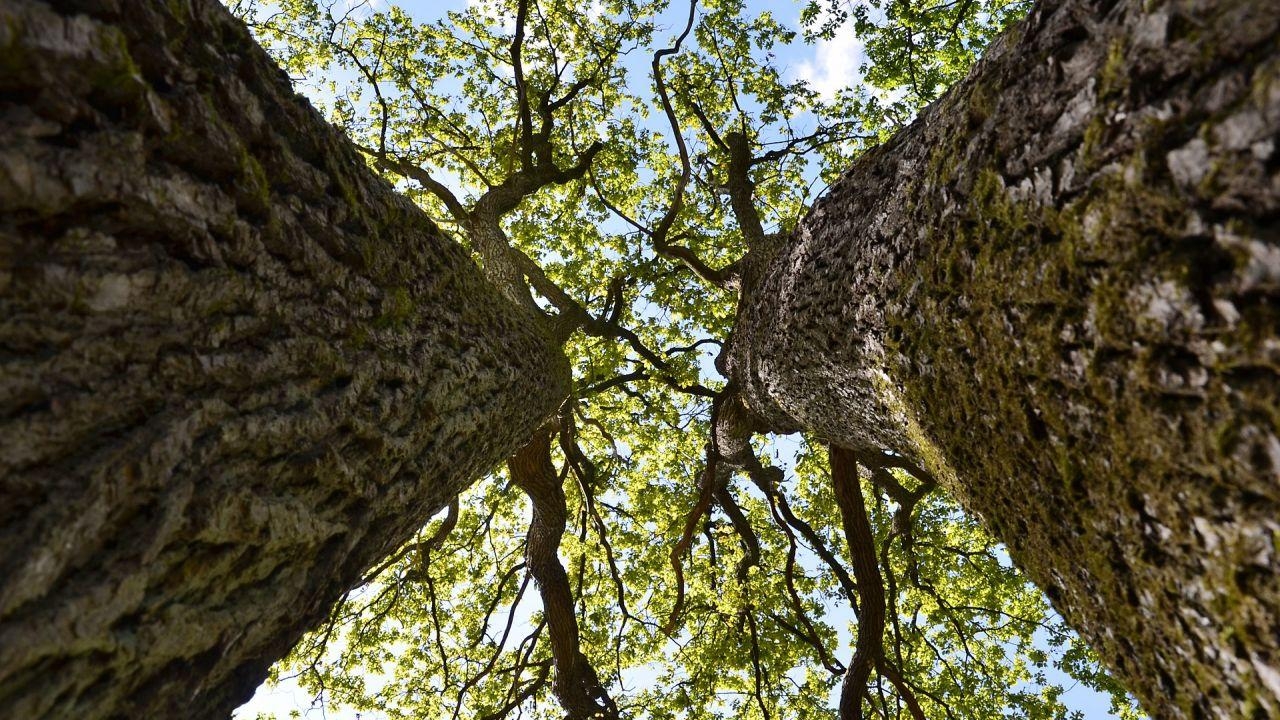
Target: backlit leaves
<point>452,626</point>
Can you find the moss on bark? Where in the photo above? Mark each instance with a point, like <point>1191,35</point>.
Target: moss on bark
<point>1058,290</point>
<point>236,368</point>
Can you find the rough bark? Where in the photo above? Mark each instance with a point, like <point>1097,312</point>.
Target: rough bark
<point>235,367</point>
<point>1058,290</point>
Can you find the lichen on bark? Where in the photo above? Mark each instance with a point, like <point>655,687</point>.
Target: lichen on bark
<point>1058,290</point>
<point>236,368</point>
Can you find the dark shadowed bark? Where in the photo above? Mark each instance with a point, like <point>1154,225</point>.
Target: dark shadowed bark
<point>1058,291</point>
<point>235,367</point>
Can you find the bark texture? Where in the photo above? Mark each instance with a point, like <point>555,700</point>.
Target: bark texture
<point>1058,291</point>
<point>235,367</point>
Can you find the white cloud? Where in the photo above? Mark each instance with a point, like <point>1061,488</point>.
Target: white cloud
<point>835,63</point>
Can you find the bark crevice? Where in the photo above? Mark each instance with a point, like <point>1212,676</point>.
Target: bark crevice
<point>236,368</point>
<point>1057,292</point>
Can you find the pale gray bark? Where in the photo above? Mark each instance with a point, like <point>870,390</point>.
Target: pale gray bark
<point>1058,290</point>
<point>236,368</point>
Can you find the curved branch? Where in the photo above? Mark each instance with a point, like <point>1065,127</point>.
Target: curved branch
<point>862,549</point>
<point>576,685</point>
<point>390,163</point>
<point>524,129</point>
<point>746,534</point>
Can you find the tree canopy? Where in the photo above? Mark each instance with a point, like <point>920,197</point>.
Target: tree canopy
<point>610,166</point>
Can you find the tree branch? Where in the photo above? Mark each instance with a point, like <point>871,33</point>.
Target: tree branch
<point>862,549</point>
<point>576,685</point>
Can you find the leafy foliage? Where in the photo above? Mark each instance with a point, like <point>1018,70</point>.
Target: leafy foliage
<point>915,51</point>
<point>615,167</point>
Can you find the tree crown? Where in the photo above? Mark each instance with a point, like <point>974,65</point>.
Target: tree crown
<point>623,168</point>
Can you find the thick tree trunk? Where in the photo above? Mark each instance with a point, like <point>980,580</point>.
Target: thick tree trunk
<point>235,367</point>
<point>1058,290</point>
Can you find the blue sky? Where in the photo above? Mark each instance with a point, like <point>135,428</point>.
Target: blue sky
<point>827,66</point>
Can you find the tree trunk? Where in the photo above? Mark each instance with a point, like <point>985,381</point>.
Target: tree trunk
<point>235,367</point>
<point>1058,290</point>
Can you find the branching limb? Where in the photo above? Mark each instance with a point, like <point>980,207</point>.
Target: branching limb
<point>388,162</point>
<point>862,550</point>
<point>724,278</point>
<point>693,346</point>
<point>757,670</point>
<point>470,681</point>
<point>706,491</point>
<point>732,429</point>
<point>878,464</point>
<point>677,196</point>
<point>585,470</point>
<point>575,684</point>
<point>524,120</point>
<point>889,668</point>
<point>810,633</point>
<point>742,526</point>
<point>423,549</point>
<point>516,699</point>
<point>660,234</point>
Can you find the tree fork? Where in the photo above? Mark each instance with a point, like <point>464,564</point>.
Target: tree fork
<point>236,369</point>
<point>1057,291</point>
